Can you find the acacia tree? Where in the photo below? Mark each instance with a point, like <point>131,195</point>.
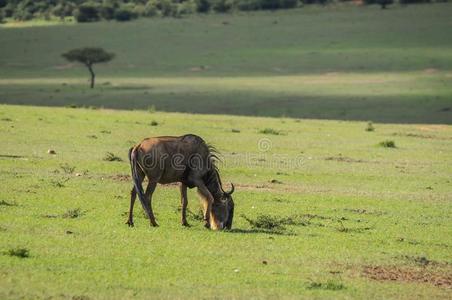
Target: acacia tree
<point>89,57</point>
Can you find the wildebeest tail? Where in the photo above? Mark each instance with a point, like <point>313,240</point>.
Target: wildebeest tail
<point>136,180</point>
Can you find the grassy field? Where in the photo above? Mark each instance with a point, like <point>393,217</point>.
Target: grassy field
<point>356,220</point>
<point>333,62</point>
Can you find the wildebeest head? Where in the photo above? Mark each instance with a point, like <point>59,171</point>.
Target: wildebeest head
<point>223,210</point>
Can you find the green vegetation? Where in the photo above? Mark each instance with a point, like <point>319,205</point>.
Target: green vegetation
<point>126,10</point>
<point>387,144</point>
<point>321,211</point>
<point>361,64</point>
<point>358,221</point>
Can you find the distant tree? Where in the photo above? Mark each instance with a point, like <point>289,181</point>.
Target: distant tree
<point>88,12</point>
<point>89,57</point>
<point>383,3</point>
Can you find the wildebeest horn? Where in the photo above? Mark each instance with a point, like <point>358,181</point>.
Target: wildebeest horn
<point>231,191</point>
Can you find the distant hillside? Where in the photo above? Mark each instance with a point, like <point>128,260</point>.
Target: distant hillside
<point>125,10</point>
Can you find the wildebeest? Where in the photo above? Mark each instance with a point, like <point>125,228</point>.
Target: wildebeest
<point>187,159</point>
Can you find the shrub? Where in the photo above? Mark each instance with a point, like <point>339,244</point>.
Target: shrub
<point>8,10</point>
<point>370,126</point>
<point>151,8</point>
<point>277,4</point>
<point>87,12</point>
<point>202,6</point>
<point>167,8</point>
<point>19,252</point>
<point>387,144</point>
<point>186,7</point>
<point>107,11</point>
<point>247,5</point>
<point>125,13</point>
<point>63,10</point>
<point>111,157</point>
<point>414,1</point>
<point>382,3</point>
<point>266,222</point>
<point>329,285</point>
<point>270,131</point>
<point>222,6</point>
<point>289,3</point>
<point>73,213</point>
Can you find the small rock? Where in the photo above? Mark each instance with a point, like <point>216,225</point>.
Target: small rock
<point>69,232</point>
<point>78,174</point>
<point>264,262</point>
<point>51,151</point>
<point>236,270</point>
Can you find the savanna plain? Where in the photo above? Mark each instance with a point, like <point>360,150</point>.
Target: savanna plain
<point>332,122</point>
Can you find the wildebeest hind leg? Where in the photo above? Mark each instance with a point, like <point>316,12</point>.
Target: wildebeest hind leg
<point>133,196</point>
<point>184,203</point>
<point>148,195</point>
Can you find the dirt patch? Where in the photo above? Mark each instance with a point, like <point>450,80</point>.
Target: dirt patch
<point>421,136</point>
<point>344,159</point>
<point>121,177</point>
<point>394,273</point>
<point>432,127</point>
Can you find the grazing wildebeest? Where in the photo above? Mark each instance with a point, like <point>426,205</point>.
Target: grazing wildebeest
<point>187,159</point>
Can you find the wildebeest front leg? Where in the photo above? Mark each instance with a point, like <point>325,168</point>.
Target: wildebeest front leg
<point>207,197</point>
<point>133,196</point>
<point>184,202</point>
<point>148,195</point>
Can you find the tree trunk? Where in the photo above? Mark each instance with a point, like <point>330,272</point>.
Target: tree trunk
<point>93,76</point>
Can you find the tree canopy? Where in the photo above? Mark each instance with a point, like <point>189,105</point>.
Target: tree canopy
<point>88,56</point>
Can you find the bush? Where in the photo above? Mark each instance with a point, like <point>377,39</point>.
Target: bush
<point>413,1</point>
<point>151,8</point>
<point>87,12</point>
<point>382,3</point>
<point>19,252</point>
<point>270,131</point>
<point>370,126</point>
<point>289,3</point>
<point>222,6</point>
<point>8,10</point>
<point>125,14</point>
<point>63,10</point>
<point>247,5</point>
<point>186,7</point>
<point>107,11</point>
<point>202,6</point>
<point>167,8</point>
<point>387,144</point>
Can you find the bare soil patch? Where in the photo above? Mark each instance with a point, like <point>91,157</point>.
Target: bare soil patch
<point>344,159</point>
<point>394,273</point>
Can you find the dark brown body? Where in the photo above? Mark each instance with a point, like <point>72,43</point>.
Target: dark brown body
<point>186,159</point>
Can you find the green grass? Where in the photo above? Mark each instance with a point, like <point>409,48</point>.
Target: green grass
<point>334,62</point>
<point>345,207</point>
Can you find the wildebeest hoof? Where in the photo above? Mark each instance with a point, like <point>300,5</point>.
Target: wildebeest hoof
<point>130,223</point>
<point>185,224</point>
<point>154,225</point>
<point>207,225</point>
